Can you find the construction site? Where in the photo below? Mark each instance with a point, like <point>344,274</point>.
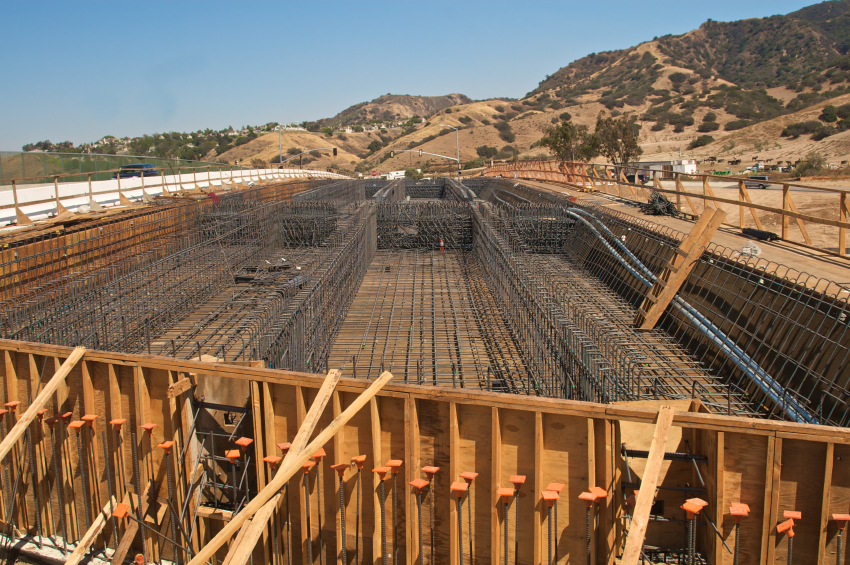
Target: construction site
<point>440,372</point>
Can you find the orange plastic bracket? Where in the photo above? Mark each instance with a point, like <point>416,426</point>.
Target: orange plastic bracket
<point>340,469</point>
<point>166,446</point>
<point>418,484</point>
<point>505,493</point>
<point>395,465</point>
<point>359,460</point>
<point>284,447</point>
<point>232,454</point>
<point>459,488</point>
<point>89,419</point>
<point>272,460</point>
<point>382,472</point>
<point>244,443</point>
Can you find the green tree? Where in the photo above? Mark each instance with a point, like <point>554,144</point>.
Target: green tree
<point>570,142</point>
<point>812,163</point>
<point>412,173</point>
<point>618,139</point>
<point>829,114</point>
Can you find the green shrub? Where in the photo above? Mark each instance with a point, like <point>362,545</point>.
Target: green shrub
<point>566,116</point>
<point>486,151</point>
<point>658,126</point>
<point>700,141</point>
<point>801,128</point>
<point>464,119</point>
<point>486,122</point>
<point>736,125</point>
<point>706,127</point>
<point>829,114</point>
<point>474,164</point>
<point>500,109</point>
<point>710,117</point>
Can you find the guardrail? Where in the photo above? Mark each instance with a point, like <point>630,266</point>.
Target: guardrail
<point>611,179</point>
<point>22,203</point>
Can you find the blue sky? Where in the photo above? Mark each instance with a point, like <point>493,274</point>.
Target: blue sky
<point>77,71</point>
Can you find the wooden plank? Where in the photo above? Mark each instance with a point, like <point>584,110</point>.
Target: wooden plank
<point>234,546</point>
<point>824,506</point>
<point>771,500</point>
<point>753,212</point>
<point>91,535</point>
<point>843,213</point>
<point>454,471</point>
<point>297,455</point>
<point>703,231</point>
<point>244,548</point>
<point>179,388</point>
<point>377,457</point>
<point>800,217</point>
<point>46,394</point>
<point>640,518</point>
<point>496,541</point>
<point>130,533</point>
<point>537,498</point>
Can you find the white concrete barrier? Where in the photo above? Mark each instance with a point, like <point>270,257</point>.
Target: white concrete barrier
<point>40,202</point>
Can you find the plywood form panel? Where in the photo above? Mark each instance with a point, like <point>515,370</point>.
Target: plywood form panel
<point>800,489</point>
<point>745,458</point>
<point>517,428</point>
<point>839,502</point>
<point>434,451</point>
<point>565,461</point>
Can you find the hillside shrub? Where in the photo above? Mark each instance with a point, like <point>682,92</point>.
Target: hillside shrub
<point>517,108</point>
<point>486,151</point>
<point>658,126</point>
<point>710,117</point>
<point>812,163</point>
<point>464,119</point>
<point>829,114</point>
<point>500,109</point>
<point>706,127</point>
<point>824,132</point>
<point>701,141</point>
<point>801,128</point>
<point>566,116</point>
<point>736,125</point>
<point>448,110</point>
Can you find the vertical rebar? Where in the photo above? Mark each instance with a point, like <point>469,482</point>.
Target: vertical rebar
<point>383,524</point>
<point>59,484</point>
<point>169,478</point>
<point>431,513</point>
<point>460,528</point>
<point>419,522</point>
<point>111,493</point>
<point>505,516</point>
<point>395,520</point>
<point>319,503</point>
<point>587,534</point>
<point>36,497</point>
<point>83,480</point>
<point>357,521</point>
<point>737,537</point>
<point>139,515</point>
<point>840,547</point>
<point>469,510</point>
<point>342,518</point>
<point>516,529</point>
<point>549,525</point>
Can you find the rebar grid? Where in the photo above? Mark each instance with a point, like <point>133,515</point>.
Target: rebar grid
<point>428,317</point>
<point>791,325</point>
<point>423,225</point>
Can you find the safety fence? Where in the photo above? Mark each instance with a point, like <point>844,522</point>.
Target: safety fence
<point>772,209</point>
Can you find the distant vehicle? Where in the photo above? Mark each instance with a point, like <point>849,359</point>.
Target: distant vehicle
<point>641,177</point>
<point>757,182</point>
<point>136,170</point>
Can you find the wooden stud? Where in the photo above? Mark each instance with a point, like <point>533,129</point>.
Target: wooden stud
<point>824,505</point>
<point>843,213</point>
<point>640,518</point>
<point>496,541</point>
<point>771,500</point>
<point>377,457</point>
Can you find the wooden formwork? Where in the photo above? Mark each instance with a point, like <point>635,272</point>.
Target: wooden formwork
<point>771,466</point>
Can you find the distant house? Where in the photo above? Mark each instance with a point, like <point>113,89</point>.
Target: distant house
<point>667,168</point>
